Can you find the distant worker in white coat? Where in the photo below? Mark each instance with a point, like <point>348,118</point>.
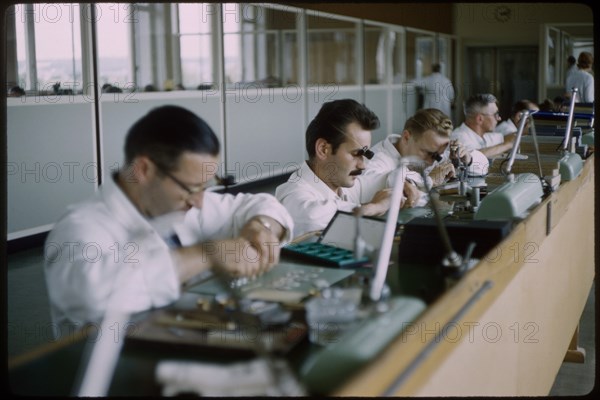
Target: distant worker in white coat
<point>438,91</point>
<point>582,79</point>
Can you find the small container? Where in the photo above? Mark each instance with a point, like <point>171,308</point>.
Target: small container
<point>328,318</point>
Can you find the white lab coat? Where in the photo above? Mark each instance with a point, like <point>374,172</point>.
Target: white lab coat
<point>438,92</point>
<point>472,141</point>
<point>104,254</point>
<point>584,82</point>
<point>377,174</point>
<point>506,127</point>
<point>310,201</point>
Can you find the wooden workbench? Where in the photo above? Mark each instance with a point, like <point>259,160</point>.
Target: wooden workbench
<point>505,328</point>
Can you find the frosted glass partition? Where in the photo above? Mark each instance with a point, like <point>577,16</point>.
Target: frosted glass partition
<point>400,105</point>
<point>51,162</point>
<point>120,110</point>
<point>376,98</point>
<point>265,132</point>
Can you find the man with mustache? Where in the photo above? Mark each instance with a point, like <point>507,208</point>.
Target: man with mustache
<point>337,142</point>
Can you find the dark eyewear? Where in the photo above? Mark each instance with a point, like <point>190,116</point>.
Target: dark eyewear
<point>365,152</point>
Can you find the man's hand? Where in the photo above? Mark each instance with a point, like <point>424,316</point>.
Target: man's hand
<point>412,194</point>
<point>379,204</point>
<point>264,234</point>
<point>441,173</point>
<point>238,257</point>
<point>462,153</point>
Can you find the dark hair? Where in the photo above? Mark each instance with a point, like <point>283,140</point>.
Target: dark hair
<point>436,67</point>
<point>571,60</point>
<point>585,60</point>
<point>547,105</point>
<point>333,118</point>
<point>165,133</point>
<point>522,105</point>
<point>475,103</point>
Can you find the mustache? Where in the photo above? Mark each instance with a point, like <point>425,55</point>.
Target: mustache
<point>356,172</point>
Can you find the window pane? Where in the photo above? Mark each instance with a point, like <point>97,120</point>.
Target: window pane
<point>23,79</point>
<point>331,51</point>
<point>553,54</point>
<point>196,60</point>
<point>114,49</point>
<point>374,46</point>
<point>397,53</point>
<point>145,50</point>
<point>196,18</point>
<point>195,44</point>
<point>444,49</point>
<point>260,46</point>
<point>419,55</point>
<point>58,47</point>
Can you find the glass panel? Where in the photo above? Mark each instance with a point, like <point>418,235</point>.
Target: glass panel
<point>57,47</point>
<point>331,51</point>
<point>374,49</point>
<point>397,54</point>
<point>196,61</point>
<point>444,56</point>
<point>567,50</point>
<point>195,44</point>
<point>419,55</point>
<point>23,80</point>
<point>553,56</point>
<point>144,49</point>
<point>260,46</point>
<point>114,49</point>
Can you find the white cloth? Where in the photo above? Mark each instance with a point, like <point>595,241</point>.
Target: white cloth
<point>310,201</point>
<point>103,253</point>
<point>387,159</point>
<point>506,127</point>
<point>584,82</point>
<point>438,92</point>
<point>472,141</point>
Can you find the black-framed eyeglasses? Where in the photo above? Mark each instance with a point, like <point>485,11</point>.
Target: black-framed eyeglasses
<point>366,152</point>
<point>190,190</point>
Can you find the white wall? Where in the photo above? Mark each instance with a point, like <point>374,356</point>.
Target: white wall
<point>264,132</point>
<point>119,111</point>
<point>51,160</point>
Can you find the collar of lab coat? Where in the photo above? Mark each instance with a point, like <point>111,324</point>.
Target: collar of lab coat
<point>307,174</point>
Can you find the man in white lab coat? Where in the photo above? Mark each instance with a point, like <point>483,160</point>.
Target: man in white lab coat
<point>478,132</point>
<point>337,141</point>
<point>582,79</point>
<point>425,137</point>
<point>438,91</point>
<point>152,226</point>
<point>511,124</point>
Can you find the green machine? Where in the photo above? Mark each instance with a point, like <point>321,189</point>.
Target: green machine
<point>571,163</point>
<point>519,193</point>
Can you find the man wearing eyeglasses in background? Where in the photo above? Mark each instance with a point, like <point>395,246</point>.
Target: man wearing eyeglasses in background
<point>152,226</point>
<point>425,137</point>
<point>337,142</point>
<point>478,130</point>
